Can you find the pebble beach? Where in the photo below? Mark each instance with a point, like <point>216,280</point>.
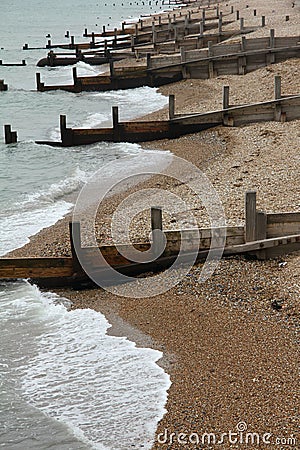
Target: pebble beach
<point>230,344</point>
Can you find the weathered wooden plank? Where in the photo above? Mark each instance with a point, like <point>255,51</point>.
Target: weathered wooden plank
<point>77,132</point>
<point>256,44</point>
<point>286,41</point>
<point>265,244</point>
<point>151,126</point>
<point>35,268</point>
<point>283,229</point>
<point>39,262</point>
<point>204,233</point>
<point>291,217</point>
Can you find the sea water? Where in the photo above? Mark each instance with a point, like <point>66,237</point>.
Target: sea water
<point>65,384</point>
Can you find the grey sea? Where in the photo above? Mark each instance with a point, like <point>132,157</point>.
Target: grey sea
<point>65,384</point>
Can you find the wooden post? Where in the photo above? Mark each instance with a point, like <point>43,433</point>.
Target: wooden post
<point>287,18</point>
<point>220,23</point>
<point>25,47</point>
<point>154,37</point>
<point>277,87</point>
<point>261,225</point>
<point>132,42</point>
<point>261,232</point>
<point>93,39</point>
<point>243,44</point>
<point>237,15</point>
<point>254,12</point>
<point>148,58</point>
<point>171,106</point>
<point>250,215</point>
<point>272,38</point>
<point>65,133</point>
<point>115,118</point>
<point>263,21</point>
<point>67,35</point>
<point>123,27</point>
<point>75,241</point>
<point>75,79</point>
<point>186,28</point>
<point>241,23</point>
<point>278,116</point>
<point>231,10</point>
<point>85,32</point>
<point>182,54</point>
<point>106,48</point>
<point>38,80</point>
<point>242,65</point>
<point>156,224</point>
<point>103,30</point>
<point>175,35</point>
<point>63,125</point>
<point>225,97</point>
<point>72,41</point>
<point>39,84</point>
<point>111,68</point>
<point>210,62</point>
<point>3,86</point>
<point>201,26</point>
<point>10,137</point>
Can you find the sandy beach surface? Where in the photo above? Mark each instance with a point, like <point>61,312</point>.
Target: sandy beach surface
<point>230,344</point>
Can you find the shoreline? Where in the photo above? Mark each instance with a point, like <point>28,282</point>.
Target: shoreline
<point>231,356</point>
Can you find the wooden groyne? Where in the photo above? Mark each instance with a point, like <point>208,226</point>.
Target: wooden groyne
<point>219,59</point>
<point>236,58</point>
<point>281,109</point>
<point>263,236</point>
<point>135,36</point>
<point>67,59</point>
<point>119,78</point>
<point>124,131</point>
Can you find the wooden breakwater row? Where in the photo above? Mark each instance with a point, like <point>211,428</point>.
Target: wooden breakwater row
<point>263,236</point>
<point>106,53</point>
<point>220,59</point>
<point>281,108</point>
<point>157,35</point>
<point>235,58</point>
<point>140,30</point>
